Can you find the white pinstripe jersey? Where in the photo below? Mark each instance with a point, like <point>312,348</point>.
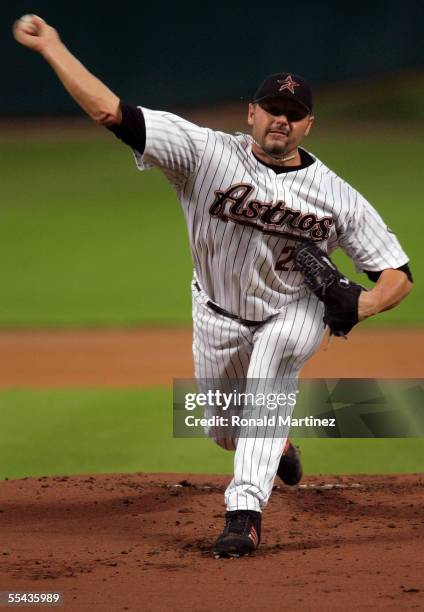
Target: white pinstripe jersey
<point>244,219</point>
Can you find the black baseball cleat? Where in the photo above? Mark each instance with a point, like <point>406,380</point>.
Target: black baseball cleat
<point>241,535</point>
<point>290,468</point>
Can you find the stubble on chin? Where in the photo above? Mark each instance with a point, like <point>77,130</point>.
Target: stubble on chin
<point>274,149</point>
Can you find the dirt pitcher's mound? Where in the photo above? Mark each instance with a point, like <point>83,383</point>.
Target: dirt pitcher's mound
<point>143,542</point>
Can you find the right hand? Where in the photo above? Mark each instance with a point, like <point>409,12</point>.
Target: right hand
<point>34,33</point>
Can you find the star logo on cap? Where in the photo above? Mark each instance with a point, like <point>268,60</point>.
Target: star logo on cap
<point>287,83</point>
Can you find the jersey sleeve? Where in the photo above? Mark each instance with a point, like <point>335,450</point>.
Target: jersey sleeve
<point>172,144</point>
<point>367,240</point>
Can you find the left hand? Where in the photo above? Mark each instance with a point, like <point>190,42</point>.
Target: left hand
<point>339,294</point>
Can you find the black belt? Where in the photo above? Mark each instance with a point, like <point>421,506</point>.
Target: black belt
<point>225,313</point>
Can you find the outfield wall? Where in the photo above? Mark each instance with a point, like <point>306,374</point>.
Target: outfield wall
<point>166,53</point>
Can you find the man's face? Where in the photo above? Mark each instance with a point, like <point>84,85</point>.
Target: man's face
<point>279,125</point>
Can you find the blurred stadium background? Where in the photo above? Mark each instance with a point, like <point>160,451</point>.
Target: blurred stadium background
<point>79,238</point>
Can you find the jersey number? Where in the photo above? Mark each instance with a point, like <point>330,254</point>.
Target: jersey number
<point>286,256</point>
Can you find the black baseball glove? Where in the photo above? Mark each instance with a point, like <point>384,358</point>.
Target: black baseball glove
<point>339,294</point>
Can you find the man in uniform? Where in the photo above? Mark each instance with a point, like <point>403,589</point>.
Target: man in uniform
<point>249,201</point>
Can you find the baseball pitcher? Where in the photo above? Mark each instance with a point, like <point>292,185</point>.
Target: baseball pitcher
<point>263,216</point>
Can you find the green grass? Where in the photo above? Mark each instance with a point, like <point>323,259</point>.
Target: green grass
<point>85,239</point>
<point>104,431</point>
<point>72,432</point>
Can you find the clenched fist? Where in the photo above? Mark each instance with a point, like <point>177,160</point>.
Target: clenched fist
<point>34,33</point>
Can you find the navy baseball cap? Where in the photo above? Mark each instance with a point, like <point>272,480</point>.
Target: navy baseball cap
<point>285,85</point>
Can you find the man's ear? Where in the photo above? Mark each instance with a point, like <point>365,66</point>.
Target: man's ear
<point>311,120</point>
<point>250,114</point>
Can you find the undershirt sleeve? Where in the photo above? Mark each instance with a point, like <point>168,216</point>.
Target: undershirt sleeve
<point>132,129</point>
<point>374,276</point>
<point>163,140</point>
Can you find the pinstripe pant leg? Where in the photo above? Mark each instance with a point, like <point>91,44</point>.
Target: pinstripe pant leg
<point>221,349</point>
<point>281,348</point>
